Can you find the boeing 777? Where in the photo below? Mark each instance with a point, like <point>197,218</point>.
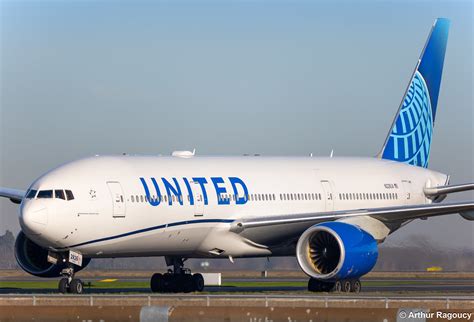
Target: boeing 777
<point>329,212</point>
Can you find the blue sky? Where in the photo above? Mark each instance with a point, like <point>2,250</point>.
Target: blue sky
<point>225,77</point>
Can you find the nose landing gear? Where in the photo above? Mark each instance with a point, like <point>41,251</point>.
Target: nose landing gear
<point>178,279</point>
<point>69,284</point>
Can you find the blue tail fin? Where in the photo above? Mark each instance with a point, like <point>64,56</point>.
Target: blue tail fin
<point>409,139</point>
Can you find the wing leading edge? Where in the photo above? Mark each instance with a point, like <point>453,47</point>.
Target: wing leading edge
<point>386,215</point>
<point>14,195</point>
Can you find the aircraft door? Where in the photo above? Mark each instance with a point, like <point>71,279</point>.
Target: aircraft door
<point>198,199</point>
<point>328,195</point>
<point>408,191</point>
<point>118,199</point>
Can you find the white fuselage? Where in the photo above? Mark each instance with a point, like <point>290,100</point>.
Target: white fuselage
<point>111,217</point>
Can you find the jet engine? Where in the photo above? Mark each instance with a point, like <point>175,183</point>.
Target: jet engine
<point>33,259</point>
<point>336,250</point>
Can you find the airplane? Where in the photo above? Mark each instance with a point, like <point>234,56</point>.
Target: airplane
<point>329,212</point>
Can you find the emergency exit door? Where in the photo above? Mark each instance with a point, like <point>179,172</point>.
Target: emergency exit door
<point>118,199</point>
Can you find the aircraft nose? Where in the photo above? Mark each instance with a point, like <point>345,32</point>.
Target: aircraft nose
<point>34,217</point>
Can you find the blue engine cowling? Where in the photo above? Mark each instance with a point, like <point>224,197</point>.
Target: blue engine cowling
<point>336,250</point>
<point>33,259</point>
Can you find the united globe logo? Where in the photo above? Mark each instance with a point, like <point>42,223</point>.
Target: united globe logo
<point>410,138</point>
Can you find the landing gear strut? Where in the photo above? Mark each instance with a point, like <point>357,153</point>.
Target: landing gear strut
<point>69,284</point>
<point>178,279</point>
<point>346,286</point>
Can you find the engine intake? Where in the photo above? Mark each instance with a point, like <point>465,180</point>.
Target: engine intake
<point>336,250</point>
<point>33,258</point>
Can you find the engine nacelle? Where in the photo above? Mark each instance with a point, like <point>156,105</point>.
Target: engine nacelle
<point>33,259</point>
<point>336,250</point>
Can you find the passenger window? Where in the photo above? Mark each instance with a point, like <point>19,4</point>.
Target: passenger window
<point>60,194</point>
<point>45,194</point>
<point>69,195</point>
<point>132,198</point>
<point>31,194</point>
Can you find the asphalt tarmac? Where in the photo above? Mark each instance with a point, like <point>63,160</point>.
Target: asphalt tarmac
<point>439,286</point>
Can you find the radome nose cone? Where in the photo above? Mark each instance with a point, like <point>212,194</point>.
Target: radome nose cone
<point>34,218</point>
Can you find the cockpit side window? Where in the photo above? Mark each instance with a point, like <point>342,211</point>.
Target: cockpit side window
<point>59,194</point>
<point>31,194</point>
<point>45,194</point>
<point>69,195</point>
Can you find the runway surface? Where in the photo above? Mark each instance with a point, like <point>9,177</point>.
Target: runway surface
<point>445,286</point>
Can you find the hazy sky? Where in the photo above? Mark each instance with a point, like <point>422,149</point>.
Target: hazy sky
<point>226,77</point>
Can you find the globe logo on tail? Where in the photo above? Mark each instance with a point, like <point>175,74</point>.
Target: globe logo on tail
<point>410,139</point>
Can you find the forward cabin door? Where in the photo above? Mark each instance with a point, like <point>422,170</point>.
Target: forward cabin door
<point>198,199</point>
<point>118,199</point>
<point>328,194</point>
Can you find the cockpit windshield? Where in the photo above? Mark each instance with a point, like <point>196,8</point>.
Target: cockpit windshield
<point>49,194</point>
<point>59,194</point>
<point>45,194</point>
<point>31,194</point>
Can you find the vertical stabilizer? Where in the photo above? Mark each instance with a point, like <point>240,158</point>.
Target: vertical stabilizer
<point>409,139</point>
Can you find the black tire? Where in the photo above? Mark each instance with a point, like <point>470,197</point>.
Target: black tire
<point>76,286</point>
<point>337,287</point>
<point>157,283</point>
<point>188,283</point>
<point>63,286</point>
<point>346,286</point>
<point>168,283</point>
<point>314,285</point>
<point>198,282</point>
<point>327,286</point>
<point>356,286</point>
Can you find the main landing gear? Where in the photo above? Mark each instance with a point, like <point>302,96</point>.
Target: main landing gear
<point>346,286</point>
<point>178,279</point>
<point>69,284</point>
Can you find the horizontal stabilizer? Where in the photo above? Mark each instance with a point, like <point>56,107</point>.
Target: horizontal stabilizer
<point>434,192</point>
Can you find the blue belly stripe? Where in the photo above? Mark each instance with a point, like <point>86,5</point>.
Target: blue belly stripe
<point>144,230</point>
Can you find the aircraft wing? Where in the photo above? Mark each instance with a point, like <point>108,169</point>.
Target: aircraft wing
<point>386,215</point>
<point>14,195</point>
<point>444,190</point>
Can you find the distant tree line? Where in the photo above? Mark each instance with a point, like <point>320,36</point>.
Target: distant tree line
<point>416,255</point>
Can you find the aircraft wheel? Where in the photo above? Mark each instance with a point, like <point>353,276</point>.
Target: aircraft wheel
<point>168,283</point>
<point>314,285</point>
<point>63,285</point>
<point>188,283</point>
<point>356,286</point>
<point>327,286</point>
<point>156,283</point>
<point>76,286</point>
<point>346,286</point>
<point>198,281</point>
<point>337,287</point>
